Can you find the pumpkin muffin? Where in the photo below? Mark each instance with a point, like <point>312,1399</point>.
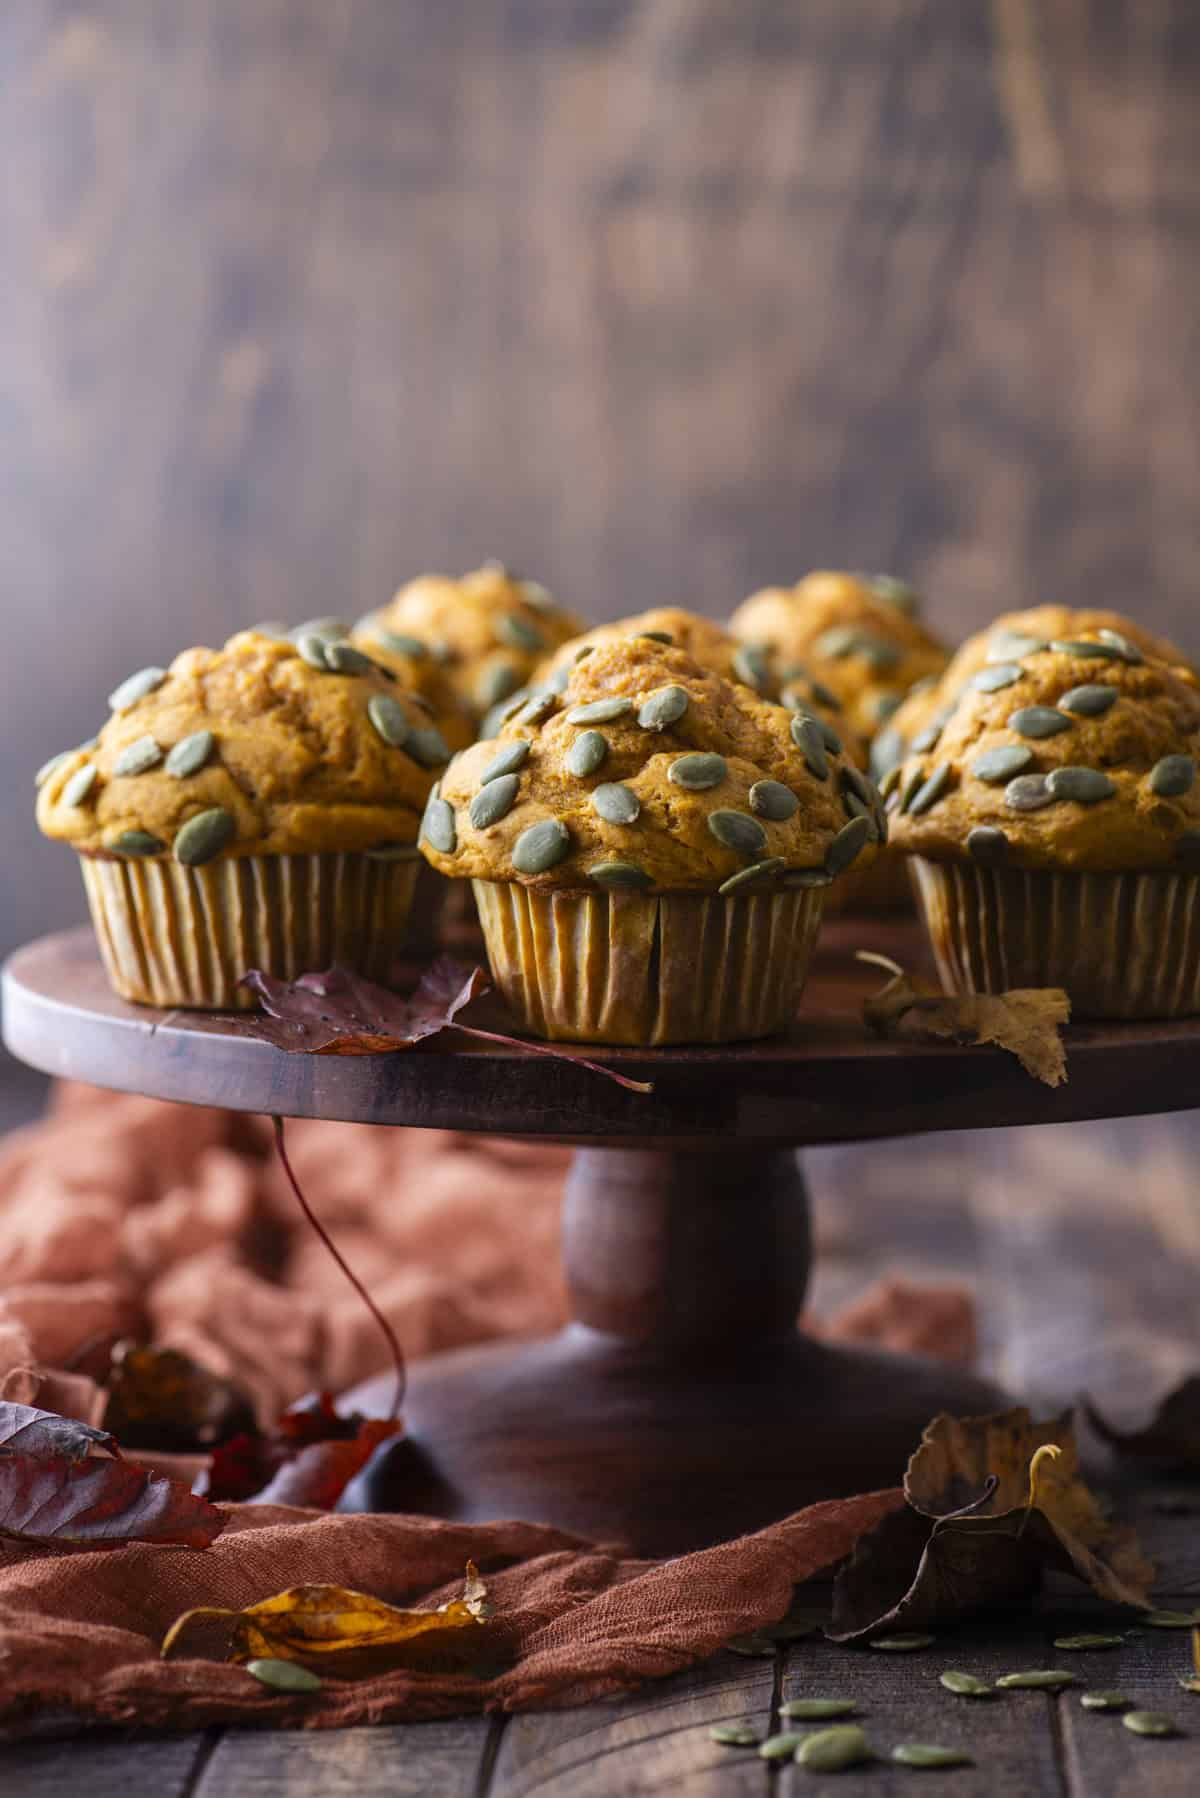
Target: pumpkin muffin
<point>417,670</point>
<point>650,849</point>
<point>1053,824</point>
<point>488,630</point>
<point>252,806</point>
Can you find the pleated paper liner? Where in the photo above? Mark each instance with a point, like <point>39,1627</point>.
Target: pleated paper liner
<point>877,887</point>
<point>1122,945</point>
<point>649,969</point>
<point>176,936</point>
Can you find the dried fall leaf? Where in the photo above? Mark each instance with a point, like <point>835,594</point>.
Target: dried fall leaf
<point>160,1398</point>
<point>339,1632</point>
<point>1025,1021</point>
<point>27,1431</point>
<point>308,1459</point>
<point>99,1503</point>
<point>1172,1436</point>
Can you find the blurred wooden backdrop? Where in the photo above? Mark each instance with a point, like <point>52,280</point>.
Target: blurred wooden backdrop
<point>659,299</point>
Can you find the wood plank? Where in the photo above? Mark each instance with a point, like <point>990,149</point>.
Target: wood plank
<point>1103,1760</point>
<point>389,1761</point>
<point>108,1764</point>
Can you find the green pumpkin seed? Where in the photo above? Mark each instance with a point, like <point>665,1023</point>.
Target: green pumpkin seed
<point>586,754</point>
<point>190,754</point>
<point>771,799</point>
<point>560,680</point>
<point>494,801</point>
<point>817,1710</point>
<point>833,1750</point>
<point>51,767</point>
<point>311,649</point>
<point>1187,849</point>
<point>662,709</point>
<point>781,1747</point>
<point>583,652</point>
<point>1170,1619</point>
<point>1038,721</point>
<point>600,711</point>
<point>506,761</point>
<point>343,658</point>
<point>912,786</point>
<point>906,1643</point>
<point>698,772</point>
<point>996,676</point>
<point>750,666</point>
<point>890,781</point>
<point>825,696</point>
<point>284,1676</point>
<point>1028,793</point>
<point>541,847</point>
<point>879,656</point>
<point>882,707</point>
<point>897,593</point>
<point>1086,1641</point>
<point>847,845</point>
<point>1149,1723</point>
<point>495,683</point>
<point>438,827</point>
<point>988,845</point>
<point>518,633</point>
<point>656,637</point>
<point>998,766</point>
<point>738,831</point>
<point>745,877</point>
<point>331,629</point>
<point>733,1735</point>
<point>926,1754</point>
<point>620,874</point>
<point>538,595</point>
<point>389,719</point>
<point>1037,1679</point>
<point>493,721</point>
<point>136,842</point>
<point>80,785</point>
<point>829,736</point>
<point>809,739</point>
<point>204,836</point>
<point>836,643</point>
<point>139,757</point>
<point>928,794</point>
<point>399,643</point>
<point>1173,776</point>
<point>1105,1701</point>
<point>1010,646</point>
<point>615,803</point>
<point>755,1646</point>
<point>1082,648</point>
<point>1128,652</point>
<point>887,753</point>
<point>1090,701</point>
<point>927,739</point>
<point>1085,786</point>
<point>393,852</point>
<point>853,807</point>
<point>426,745</point>
<point>965,1685</point>
<point>146,680</point>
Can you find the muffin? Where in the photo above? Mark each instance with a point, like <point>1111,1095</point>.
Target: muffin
<point>252,806</point>
<point>419,671</point>
<point>488,630</point>
<point>650,849</point>
<point>1053,825</point>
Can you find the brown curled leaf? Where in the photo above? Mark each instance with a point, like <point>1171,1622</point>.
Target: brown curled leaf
<point>99,1503</point>
<point>159,1398</point>
<point>24,1430</point>
<point>1026,1021</point>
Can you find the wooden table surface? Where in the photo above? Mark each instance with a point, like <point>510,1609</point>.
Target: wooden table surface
<point>1083,1242</point>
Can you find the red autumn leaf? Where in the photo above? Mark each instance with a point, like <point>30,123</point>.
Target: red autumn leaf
<point>99,1503</point>
<point>24,1430</point>
<point>160,1398</point>
<point>340,1013</point>
<point>309,1458</point>
<point>320,1473</point>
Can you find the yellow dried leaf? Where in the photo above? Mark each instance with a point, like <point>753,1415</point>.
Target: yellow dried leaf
<point>1025,1021</point>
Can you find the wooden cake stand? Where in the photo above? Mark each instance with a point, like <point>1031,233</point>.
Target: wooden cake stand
<point>679,1406</point>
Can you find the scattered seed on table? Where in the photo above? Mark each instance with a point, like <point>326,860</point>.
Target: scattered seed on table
<point>833,1750</point>
<point>781,1747</point>
<point>1037,1679</point>
<point>817,1710</point>
<point>926,1754</point>
<point>1105,1701</point>
<point>1089,1641</point>
<point>965,1685</point>
<point>1149,1723</point>
<point>734,1735</point>
<point>284,1676</point>
<point>1170,1619</point>
<point>902,1644</point>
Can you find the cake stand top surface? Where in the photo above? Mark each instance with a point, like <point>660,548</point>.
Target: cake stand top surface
<point>829,1082</point>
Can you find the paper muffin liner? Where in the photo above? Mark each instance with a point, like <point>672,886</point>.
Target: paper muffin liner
<point>177,936</point>
<point>881,886</point>
<point>649,969</point>
<point>1122,945</point>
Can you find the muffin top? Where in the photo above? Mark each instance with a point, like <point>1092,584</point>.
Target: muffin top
<point>259,748</point>
<point>650,772</point>
<point>417,670</point>
<point>1077,756</point>
<point>489,630</point>
<point>856,634</point>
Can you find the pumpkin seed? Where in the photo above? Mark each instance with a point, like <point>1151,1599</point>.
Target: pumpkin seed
<point>586,753</point>
<point>52,766</point>
<point>738,831</point>
<point>927,795</point>
<point>139,757</point>
<point>398,642</point>
<point>829,736</point>
<point>897,593</point>
<point>1187,849</point>
<point>1038,721</point>
<point>136,842</point>
<point>620,874</point>
<point>664,708</point>
<point>1037,1679</point>
<point>77,789</point>
<point>837,642</point>
<point>988,845</point>
<point>146,680</point>
<point>927,1754</point>
<point>817,1710</point>
<point>853,807</point>
<point>190,754</point>
<point>771,799</point>
<point>311,649</point>
<point>750,666</point>
<point>541,847</point>
<point>615,803</point>
<point>851,780</point>
<point>997,676</point>
<point>748,876</point>
<point>389,719</point>
<point>1083,648</point>
<point>1149,1723</point>
<point>807,877</point>
<point>755,1646</point>
<point>493,721</point>
<point>912,786</point>
<point>1128,652</point>
<point>998,766</point>
<point>284,1676</point>
<point>332,629</point>
<point>810,741</point>
<point>493,801</point>
<point>494,565</point>
<point>1090,701</point>
<point>781,1747</point>
<point>833,1750</point>
<point>1173,776</point>
<point>965,1685</point>
<point>1104,1701</point>
<point>890,782</point>
<point>438,827</point>
<point>393,852</point>
<point>583,652</point>
<point>506,761</point>
<point>518,633</point>
<point>927,739</point>
<point>880,657</point>
<point>538,595</point>
<point>657,637</point>
<point>902,1644</point>
<point>496,683</point>
<point>698,772</point>
<point>733,1735</point>
<point>1028,793</point>
<point>600,711</point>
<point>343,658</point>
<point>1009,646</point>
<point>272,628</point>
<point>1170,1619</point>
<point>887,752</point>
<point>848,844</point>
<point>560,680</point>
<point>204,836</point>
<point>882,707</point>
<point>426,744</point>
<point>1089,1641</point>
<point>1085,786</point>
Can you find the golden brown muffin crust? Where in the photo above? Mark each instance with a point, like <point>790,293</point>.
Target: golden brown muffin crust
<point>417,670</point>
